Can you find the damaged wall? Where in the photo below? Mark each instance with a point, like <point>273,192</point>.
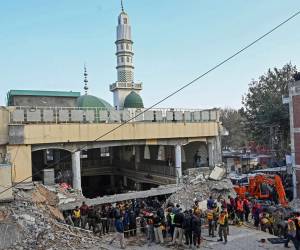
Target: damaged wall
<point>5,181</point>
<point>20,157</point>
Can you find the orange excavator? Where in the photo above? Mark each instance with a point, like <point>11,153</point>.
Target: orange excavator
<point>264,187</point>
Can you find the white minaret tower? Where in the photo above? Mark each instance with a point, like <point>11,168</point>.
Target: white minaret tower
<point>125,83</point>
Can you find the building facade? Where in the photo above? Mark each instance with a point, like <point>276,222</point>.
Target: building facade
<point>101,148</point>
<point>294,107</point>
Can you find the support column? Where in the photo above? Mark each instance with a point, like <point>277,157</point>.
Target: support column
<point>76,170</point>
<point>211,150</point>
<point>137,157</point>
<point>125,181</point>
<point>138,186</point>
<point>112,181</point>
<point>178,163</point>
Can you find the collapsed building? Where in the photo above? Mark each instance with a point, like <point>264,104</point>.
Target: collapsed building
<point>34,219</point>
<point>99,148</point>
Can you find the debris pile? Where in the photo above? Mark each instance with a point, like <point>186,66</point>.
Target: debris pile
<point>295,204</point>
<point>197,184</point>
<point>31,221</point>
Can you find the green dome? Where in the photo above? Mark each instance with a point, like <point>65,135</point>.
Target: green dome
<point>133,100</point>
<point>90,101</point>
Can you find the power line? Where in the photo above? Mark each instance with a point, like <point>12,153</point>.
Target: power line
<point>173,93</point>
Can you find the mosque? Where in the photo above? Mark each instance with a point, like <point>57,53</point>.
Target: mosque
<point>100,148</point>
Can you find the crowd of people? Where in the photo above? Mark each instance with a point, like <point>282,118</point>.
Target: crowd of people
<point>167,223</point>
<point>161,223</point>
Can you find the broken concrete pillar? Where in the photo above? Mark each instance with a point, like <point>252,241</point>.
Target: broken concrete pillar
<point>178,163</point>
<point>76,170</point>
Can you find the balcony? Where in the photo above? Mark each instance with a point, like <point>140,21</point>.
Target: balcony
<point>125,85</point>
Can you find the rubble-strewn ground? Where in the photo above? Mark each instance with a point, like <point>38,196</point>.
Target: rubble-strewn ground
<point>31,221</point>
<point>240,238</point>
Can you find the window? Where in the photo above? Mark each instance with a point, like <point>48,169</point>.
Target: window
<point>127,46</point>
<point>122,59</point>
<point>104,152</point>
<point>122,47</point>
<point>49,155</point>
<point>127,58</point>
<point>125,20</point>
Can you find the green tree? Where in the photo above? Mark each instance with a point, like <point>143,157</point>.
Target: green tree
<point>267,118</point>
<point>232,121</point>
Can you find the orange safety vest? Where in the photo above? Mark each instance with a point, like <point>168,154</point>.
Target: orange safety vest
<point>240,205</point>
<point>222,218</point>
<point>210,215</point>
<point>77,213</point>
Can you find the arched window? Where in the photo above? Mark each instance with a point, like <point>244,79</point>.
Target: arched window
<point>125,20</point>
<point>127,58</point>
<point>127,46</point>
<point>122,59</point>
<point>122,47</point>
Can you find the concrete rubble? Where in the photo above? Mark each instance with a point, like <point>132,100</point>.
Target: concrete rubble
<point>32,221</point>
<point>198,185</point>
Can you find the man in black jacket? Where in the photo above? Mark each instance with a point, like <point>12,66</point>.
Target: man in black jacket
<point>187,227</point>
<point>157,223</point>
<point>196,228</point>
<point>178,231</point>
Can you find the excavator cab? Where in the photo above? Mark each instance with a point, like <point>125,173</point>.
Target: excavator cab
<point>264,187</point>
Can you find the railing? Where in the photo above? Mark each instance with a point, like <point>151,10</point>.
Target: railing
<point>100,167</point>
<point>163,170</point>
<point>26,115</point>
<point>126,85</point>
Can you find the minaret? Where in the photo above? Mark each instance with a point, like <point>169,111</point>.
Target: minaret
<point>125,69</point>
<point>85,74</point>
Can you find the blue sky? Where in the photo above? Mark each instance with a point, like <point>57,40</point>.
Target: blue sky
<point>44,44</point>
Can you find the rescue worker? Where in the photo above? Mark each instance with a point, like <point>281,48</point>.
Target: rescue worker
<point>76,216</point>
<point>216,213</point>
<point>210,220</point>
<point>246,209</point>
<point>256,211</point>
<point>291,232</point>
<point>223,224</point>
<point>265,223</point>
<point>170,222</point>
<point>240,209</point>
